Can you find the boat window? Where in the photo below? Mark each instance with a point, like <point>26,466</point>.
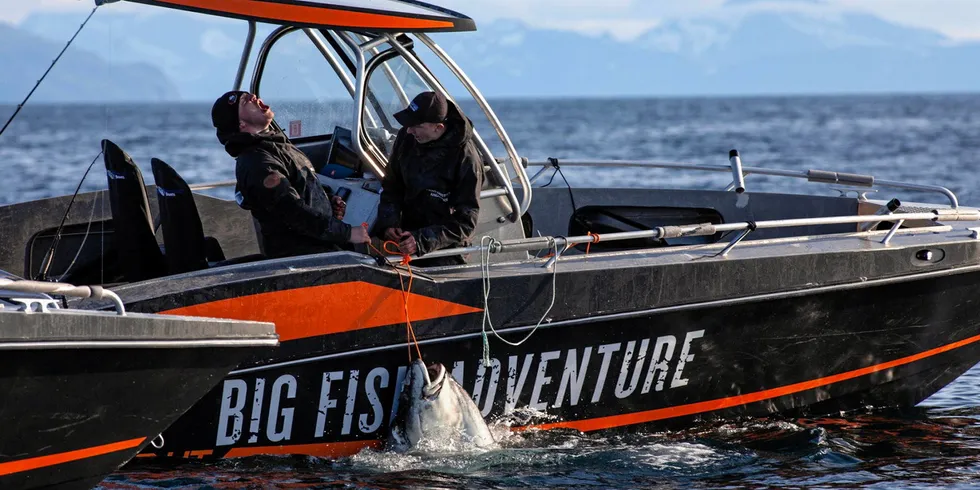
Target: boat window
<point>304,91</point>
<point>391,85</point>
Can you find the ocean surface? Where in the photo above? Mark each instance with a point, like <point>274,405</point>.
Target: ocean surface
<point>933,139</point>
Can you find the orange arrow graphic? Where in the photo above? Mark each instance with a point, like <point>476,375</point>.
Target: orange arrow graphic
<point>323,310</point>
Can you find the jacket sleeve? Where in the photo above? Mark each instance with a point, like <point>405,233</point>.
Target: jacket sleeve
<point>393,189</point>
<point>265,186</point>
<point>464,202</point>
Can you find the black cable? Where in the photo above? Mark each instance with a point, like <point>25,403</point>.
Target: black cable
<point>552,179</point>
<point>570,195</point>
<point>36,85</point>
<point>49,256</point>
<point>554,163</point>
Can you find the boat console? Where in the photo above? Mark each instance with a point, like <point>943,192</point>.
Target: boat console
<point>341,172</point>
<point>361,194</point>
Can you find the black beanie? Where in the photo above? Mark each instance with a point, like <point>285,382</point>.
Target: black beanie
<point>224,113</point>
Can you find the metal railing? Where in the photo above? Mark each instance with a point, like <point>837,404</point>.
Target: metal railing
<point>513,157</point>
<point>63,289</point>
<point>819,176</point>
<point>705,229</point>
<point>518,207</point>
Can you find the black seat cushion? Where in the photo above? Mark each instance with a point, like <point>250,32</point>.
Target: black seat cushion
<point>139,254</point>
<point>183,234</point>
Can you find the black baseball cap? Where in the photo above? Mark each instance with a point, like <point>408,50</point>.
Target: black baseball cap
<point>427,107</point>
<point>224,112</point>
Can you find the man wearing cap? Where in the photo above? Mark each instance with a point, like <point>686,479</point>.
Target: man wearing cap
<point>277,183</point>
<point>432,183</point>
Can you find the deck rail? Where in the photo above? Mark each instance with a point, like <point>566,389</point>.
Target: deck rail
<point>63,289</point>
<point>562,244</point>
<point>812,175</point>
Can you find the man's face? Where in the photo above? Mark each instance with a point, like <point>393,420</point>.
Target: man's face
<point>426,132</point>
<point>253,112</point>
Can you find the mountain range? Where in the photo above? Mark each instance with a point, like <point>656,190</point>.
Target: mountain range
<point>80,75</point>
<point>176,56</point>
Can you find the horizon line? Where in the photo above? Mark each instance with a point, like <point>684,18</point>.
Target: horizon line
<point>520,98</point>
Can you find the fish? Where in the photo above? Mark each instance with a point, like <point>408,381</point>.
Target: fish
<point>436,413</point>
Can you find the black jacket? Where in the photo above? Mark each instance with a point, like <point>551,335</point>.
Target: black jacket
<point>433,190</point>
<point>277,183</point>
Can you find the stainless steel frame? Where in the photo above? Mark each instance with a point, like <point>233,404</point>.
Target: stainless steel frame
<point>57,288</point>
<point>820,176</point>
<point>420,69</point>
<point>703,229</point>
<point>515,159</point>
<point>246,54</point>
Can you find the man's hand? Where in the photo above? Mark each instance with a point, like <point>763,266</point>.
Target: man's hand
<point>394,234</point>
<point>407,245</point>
<point>339,207</point>
<point>359,234</point>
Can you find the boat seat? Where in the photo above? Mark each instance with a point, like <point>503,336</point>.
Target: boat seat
<point>140,257</point>
<point>183,234</point>
<point>188,248</point>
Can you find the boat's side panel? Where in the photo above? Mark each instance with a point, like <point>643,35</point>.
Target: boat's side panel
<point>831,347</point>
<point>22,251</point>
<point>330,309</point>
<point>74,415</point>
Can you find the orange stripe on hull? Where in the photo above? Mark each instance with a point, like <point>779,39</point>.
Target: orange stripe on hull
<point>55,459</point>
<point>306,14</point>
<point>324,310</point>
<point>325,450</point>
<point>723,403</point>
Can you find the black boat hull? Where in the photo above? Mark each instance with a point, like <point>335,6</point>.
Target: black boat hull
<point>76,415</point>
<point>81,393</point>
<point>817,350</point>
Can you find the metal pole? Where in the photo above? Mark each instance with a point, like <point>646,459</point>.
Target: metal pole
<point>703,229</point>
<point>796,174</point>
<point>738,179</point>
<point>515,159</point>
<point>430,79</point>
<point>246,52</point>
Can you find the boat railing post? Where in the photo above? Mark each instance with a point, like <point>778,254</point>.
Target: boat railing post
<point>738,177</point>
<point>741,236</point>
<point>885,210</point>
<point>891,232</point>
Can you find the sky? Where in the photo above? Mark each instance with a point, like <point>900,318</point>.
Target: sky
<point>959,20</point>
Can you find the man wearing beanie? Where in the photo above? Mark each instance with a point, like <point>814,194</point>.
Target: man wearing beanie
<point>277,183</point>
<point>432,182</point>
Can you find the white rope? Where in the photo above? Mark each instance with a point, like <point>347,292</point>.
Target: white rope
<point>88,228</point>
<point>487,245</point>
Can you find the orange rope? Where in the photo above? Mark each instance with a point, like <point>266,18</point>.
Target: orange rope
<point>595,239</point>
<point>406,259</point>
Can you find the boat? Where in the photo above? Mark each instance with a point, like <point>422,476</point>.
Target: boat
<point>84,391</point>
<point>589,309</point>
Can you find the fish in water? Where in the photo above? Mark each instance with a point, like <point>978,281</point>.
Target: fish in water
<point>435,410</point>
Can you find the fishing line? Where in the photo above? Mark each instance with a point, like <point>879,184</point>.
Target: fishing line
<point>49,256</point>
<point>488,244</point>
<point>91,218</point>
<point>406,292</point>
<point>36,85</point>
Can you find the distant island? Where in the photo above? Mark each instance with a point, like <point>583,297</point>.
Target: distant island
<point>173,56</point>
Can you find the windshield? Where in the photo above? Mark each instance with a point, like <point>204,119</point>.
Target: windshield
<point>304,91</point>
<point>391,86</point>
